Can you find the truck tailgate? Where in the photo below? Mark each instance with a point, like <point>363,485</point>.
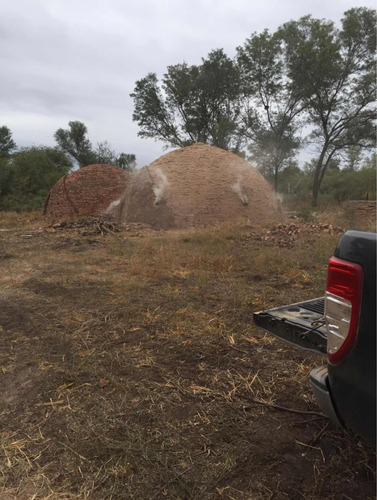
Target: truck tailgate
<point>301,324</point>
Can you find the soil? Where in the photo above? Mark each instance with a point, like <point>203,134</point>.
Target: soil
<point>131,369</point>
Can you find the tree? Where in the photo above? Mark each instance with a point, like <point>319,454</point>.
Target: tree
<point>74,141</point>
<point>105,154</point>
<point>127,162</point>
<point>353,157</point>
<point>76,144</point>
<point>335,69</point>
<point>7,144</point>
<point>272,103</point>
<point>31,172</point>
<point>193,103</point>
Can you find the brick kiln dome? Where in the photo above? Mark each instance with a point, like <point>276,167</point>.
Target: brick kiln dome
<point>87,191</point>
<point>198,185</point>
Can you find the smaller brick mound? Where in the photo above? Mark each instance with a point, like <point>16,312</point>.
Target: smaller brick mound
<point>88,191</point>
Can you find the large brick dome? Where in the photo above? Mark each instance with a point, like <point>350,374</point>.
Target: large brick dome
<point>87,191</point>
<point>198,185</point>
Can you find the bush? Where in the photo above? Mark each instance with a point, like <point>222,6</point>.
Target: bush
<point>27,176</point>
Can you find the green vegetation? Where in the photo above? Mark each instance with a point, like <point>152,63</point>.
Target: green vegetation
<point>338,184</point>
<point>308,73</point>
<point>76,144</point>
<point>7,144</point>
<point>27,176</point>
<point>194,103</point>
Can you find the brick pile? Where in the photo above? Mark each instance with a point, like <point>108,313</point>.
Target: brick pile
<point>198,185</point>
<point>86,192</point>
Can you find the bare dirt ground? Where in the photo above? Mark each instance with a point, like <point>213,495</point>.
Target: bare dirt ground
<point>130,367</point>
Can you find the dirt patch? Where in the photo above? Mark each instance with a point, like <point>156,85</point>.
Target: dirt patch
<point>132,369</point>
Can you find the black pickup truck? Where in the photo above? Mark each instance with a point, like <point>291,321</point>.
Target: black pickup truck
<point>341,325</point>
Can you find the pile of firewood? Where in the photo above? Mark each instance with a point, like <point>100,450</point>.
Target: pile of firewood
<point>89,226</point>
<point>285,235</point>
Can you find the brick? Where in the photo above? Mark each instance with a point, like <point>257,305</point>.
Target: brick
<point>198,185</point>
<point>87,191</point>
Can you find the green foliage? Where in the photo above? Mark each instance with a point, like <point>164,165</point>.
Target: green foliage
<point>335,70</point>
<point>338,185</point>
<point>308,72</point>
<point>272,105</point>
<point>7,144</point>
<point>75,142</point>
<point>27,176</point>
<point>192,104</point>
<point>350,185</point>
<point>127,162</point>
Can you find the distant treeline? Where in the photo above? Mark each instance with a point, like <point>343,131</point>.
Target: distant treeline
<point>27,174</point>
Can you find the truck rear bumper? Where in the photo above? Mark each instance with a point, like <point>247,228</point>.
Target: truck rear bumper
<point>320,387</point>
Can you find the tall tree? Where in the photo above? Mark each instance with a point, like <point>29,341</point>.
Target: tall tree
<point>74,141</point>
<point>272,103</point>
<point>192,104</point>
<point>335,68</point>
<point>7,144</point>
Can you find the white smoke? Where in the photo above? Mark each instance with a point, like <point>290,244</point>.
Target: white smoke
<point>159,186</point>
<point>237,189</point>
<point>113,205</point>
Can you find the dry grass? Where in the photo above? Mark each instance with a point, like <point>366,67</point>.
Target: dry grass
<point>131,369</point>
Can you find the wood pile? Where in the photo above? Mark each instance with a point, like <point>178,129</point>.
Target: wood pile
<point>101,225</point>
<point>285,235</point>
<point>89,226</point>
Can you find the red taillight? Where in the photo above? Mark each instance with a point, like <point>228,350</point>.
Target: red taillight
<point>342,307</point>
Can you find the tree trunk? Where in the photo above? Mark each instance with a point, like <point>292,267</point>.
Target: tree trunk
<point>315,195</point>
<point>316,182</point>
<point>318,175</point>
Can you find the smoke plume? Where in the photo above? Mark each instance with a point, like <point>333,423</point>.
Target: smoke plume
<point>237,189</point>
<point>159,186</point>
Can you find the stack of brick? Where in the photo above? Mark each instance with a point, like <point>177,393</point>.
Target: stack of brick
<point>88,191</point>
<point>198,185</point>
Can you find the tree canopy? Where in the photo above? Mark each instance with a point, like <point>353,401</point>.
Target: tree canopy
<point>308,75</point>
<point>192,104</point>
<point>27,176</point>
<point>272,104</point>
<point>7,144</point>
<point>335,69</point>
<point>75,142</point>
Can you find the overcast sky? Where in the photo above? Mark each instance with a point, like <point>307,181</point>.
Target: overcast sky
<point>66,60</point>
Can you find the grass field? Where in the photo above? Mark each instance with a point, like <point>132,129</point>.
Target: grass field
<point>130,367</point>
